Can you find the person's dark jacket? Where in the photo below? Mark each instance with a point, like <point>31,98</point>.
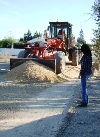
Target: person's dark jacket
<point>86,64</point>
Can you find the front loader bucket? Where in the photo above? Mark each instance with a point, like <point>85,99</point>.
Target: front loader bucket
<point>51,63</point>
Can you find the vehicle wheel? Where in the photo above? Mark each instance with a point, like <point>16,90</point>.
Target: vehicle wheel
<point>75,57</point>
<point>70,54</point>
<point>27,54</point>
<point>21,54</point>
<point>60,62</point>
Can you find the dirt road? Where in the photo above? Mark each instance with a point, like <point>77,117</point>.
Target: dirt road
<point>40,109</point>
<point>34,109</point>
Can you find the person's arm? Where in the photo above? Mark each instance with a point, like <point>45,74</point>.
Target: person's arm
<point>83,65</point>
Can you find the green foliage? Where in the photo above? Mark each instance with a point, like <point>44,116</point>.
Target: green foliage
<point>96,11</point>
<point>27,36</point>
<point>96,15</point>
<point>96,42</point>
<point>78,44</point>
<point>80,39</point>
<point>19,45</point>
<point>21,39</point>
<point>36,35</point>
<point>1,44</point>
<point>6,42</point>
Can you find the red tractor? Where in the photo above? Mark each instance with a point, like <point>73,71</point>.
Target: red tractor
<point>58,45</point>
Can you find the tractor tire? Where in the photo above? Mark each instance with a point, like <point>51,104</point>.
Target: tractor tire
<point>60,62</point>
<point>75,57</point>
<point>21,54</point>
<point>27,54</point>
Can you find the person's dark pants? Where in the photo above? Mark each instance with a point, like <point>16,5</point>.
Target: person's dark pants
<point>84,78</point>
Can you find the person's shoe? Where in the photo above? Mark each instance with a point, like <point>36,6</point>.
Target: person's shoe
<point>83,105</point>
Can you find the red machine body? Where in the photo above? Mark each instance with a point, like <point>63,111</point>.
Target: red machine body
<point>48,48</point>
<point>57,44</point>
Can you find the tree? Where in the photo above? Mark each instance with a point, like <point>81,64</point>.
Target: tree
<point>96,15</point>
<point>96,11</point>
<point>21,40</point>
<point>27,36</point>
<point>36,35</point>
<point>80,39</point>
<point>40,35</point>
<point>96,41</point>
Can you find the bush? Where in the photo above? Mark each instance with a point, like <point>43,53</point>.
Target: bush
<point>6,43</point>
<point>19,45</point>
<point>1,44</point>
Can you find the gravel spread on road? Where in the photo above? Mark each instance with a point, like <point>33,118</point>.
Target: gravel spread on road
<point>21,87</point>
<point>5,57</point>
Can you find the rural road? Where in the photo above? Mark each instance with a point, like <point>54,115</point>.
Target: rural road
<point>43,114</point>
<point>53,112</point>
<point>4,68</point>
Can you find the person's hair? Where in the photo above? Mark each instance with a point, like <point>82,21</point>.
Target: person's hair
<point>86,50</point>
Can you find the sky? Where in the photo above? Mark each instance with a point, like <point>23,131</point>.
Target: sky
<point>19,16</point>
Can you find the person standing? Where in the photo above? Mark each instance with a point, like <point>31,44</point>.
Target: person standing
<point>85,72</point>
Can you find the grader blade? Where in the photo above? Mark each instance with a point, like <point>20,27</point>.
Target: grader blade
<point>51,63</point>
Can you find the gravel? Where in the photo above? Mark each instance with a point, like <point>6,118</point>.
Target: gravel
<point>37,104</point>
<point>85,121</point>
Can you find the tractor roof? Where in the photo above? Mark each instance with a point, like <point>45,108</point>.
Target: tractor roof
<point>64,24</point>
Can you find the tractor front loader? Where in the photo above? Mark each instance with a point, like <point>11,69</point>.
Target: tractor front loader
<point>57,48</point>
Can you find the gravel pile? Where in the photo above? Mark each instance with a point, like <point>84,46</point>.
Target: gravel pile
<point>32,71</point>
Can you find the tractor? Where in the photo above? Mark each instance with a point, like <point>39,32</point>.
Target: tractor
<point>58,45</point>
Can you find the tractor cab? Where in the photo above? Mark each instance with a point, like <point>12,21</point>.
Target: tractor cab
<point>55,30</point>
